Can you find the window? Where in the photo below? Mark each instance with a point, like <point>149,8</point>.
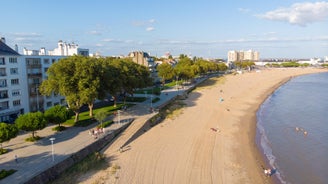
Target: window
<point>49,104</point>
<point>16,102</point>
<point>45,70</point>
<point>3,72</point>
<point>15,93</point>
<point>14,81</point>
<point>3,83</point>
<point>12,60</point>
<point>13,71</point>
<point>2,61</point>
<point>33,61</point>
<point>36,80</point>
<point>46,61</point>
<point>53,61</point>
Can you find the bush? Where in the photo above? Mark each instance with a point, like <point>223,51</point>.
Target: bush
<point>4,173</point>
<point>59,128</point>
<point>3,151</point>
<point>156,100</point>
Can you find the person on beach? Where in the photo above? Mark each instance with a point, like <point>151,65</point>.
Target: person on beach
<point>267,172</point>
<point>16,159</point>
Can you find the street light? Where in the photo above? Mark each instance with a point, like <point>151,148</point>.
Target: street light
<point>52,148</point>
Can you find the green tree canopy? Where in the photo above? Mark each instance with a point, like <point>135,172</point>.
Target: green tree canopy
<point>57,114</point>
<point>244,64</point>
<point>165,71</point>
<point>81,80</point>
<point>31,122</point>
<point>183,69</point>
<point>101,116</point>
<point>7,132</point>
<point>130,76</point>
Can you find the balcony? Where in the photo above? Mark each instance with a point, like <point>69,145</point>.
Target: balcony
<point>3,95</point>
<point>4,106</point>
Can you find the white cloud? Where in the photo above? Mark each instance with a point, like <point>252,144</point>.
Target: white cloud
<point>147,24</point>
<point>95,32</point>
<point>300,14</point>
<point>150,29</point>
<point>244,10</point>
<point>29,35</point>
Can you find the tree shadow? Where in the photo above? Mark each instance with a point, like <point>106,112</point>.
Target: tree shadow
<point>67,134</point>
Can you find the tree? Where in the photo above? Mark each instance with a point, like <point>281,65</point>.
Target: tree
<point>31,122</point>
<point>165,71</point>
<point>57,115</point>
<point>184,68</point>
<point>80,79</point>
<point>7,132</point>
<point>101,116</point>
<point>130,76</point>
<point>63,79</point>
<point>92,81</point>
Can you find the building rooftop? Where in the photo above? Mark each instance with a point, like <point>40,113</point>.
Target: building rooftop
<point>6,50</point>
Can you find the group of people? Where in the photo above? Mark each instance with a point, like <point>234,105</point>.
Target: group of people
<point>297,129</point>
<point>95,133</point>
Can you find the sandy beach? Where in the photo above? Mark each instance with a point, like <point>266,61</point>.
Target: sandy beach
<point>208,141</point>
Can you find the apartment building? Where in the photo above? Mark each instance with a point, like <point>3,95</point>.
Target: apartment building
<point>249,55</point>
<point>68,49</point>
<point>13,96</point>
<point>22,75</point>
<point>36,67</point>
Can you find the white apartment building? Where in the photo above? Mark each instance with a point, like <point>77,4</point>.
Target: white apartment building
<point>21,76</point>
<point>63,49</point>
<point>68,49</point>
<point>13,96</point>
<point>36,67</point>
<point>249,55</point>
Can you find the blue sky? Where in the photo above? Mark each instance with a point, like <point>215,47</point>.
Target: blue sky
<point>202,28</point>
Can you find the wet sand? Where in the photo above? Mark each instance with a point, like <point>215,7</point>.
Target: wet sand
<point>209,141</point>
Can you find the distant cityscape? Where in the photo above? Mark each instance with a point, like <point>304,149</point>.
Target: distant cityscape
<point>21,74</point>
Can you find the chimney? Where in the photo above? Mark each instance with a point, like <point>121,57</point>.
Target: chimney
<point>3,39</point>
<point>16,48</point>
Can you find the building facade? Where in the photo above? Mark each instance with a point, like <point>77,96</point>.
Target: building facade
<point>36,68</point>
<point>22,75</point>
<point>249,55</point>
<point>63,49</point>
<point>13,96</point>
<point>68,49</point>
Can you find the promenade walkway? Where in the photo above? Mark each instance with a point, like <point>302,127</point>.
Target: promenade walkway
<point>33,158</point>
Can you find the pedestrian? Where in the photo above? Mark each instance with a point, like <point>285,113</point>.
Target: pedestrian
<point>16,159</point>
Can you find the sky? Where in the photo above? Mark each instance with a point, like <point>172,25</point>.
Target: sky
<point>201,28</point>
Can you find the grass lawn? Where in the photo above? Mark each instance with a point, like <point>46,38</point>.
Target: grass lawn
<point>85,120</point>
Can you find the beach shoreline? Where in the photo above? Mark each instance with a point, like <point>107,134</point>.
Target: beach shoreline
<point>185,149</point>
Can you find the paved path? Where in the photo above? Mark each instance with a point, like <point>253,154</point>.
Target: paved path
<point>33,158</point>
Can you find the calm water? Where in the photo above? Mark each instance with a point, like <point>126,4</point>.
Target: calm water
<point>293,130</point>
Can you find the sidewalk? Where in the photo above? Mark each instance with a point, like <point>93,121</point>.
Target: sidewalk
<point>33,158</point>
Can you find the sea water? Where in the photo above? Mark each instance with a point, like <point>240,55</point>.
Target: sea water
<point>292,130</point>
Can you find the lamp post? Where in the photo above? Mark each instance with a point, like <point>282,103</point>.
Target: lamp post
<point>52,148</point>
